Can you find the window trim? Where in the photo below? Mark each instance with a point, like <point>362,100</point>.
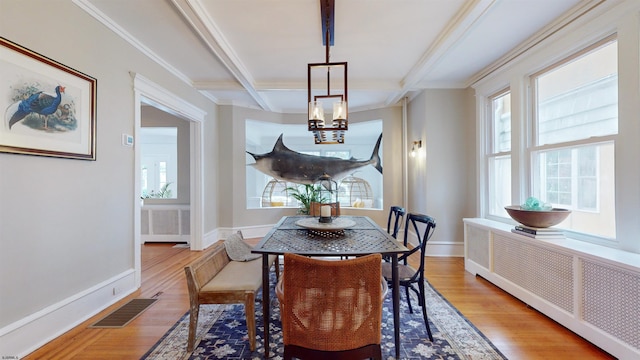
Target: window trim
<point>490,148</point>
<point>621,19</point>
<point>532,147</point>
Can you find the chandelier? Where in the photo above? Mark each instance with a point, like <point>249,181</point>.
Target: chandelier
<point>328,131</point>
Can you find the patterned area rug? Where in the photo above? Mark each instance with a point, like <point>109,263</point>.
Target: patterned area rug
<point>223,334</point>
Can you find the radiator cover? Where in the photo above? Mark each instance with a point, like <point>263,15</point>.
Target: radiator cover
<point>593,292</point>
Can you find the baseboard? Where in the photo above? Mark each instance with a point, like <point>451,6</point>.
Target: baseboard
<point>165,238</point>
<point>438,248</point>
<point>445,249</point>
<point>28,334</point>
<point>248,232</point>
<point>210,238</point>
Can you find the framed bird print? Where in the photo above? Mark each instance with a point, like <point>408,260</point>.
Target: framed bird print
<point>47,108</point>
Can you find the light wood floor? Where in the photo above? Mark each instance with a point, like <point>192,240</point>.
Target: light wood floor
<point>517,330</point>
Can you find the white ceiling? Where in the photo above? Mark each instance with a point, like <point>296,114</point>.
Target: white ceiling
<point>255,53</point>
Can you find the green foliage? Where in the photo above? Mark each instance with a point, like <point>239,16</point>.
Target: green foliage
<point>163,193</point>
<point>306,194</point>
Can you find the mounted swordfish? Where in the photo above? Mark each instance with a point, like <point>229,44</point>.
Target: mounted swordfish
<point>285,164</point>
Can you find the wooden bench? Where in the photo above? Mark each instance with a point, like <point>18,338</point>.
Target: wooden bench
<point>216,279</point>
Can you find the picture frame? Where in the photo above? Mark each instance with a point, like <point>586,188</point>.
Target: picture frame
<point>47,108</point>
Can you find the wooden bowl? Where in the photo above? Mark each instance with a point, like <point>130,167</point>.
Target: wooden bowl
<point>535,218</point>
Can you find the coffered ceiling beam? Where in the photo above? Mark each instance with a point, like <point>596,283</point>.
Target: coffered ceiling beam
<point>195,14</point>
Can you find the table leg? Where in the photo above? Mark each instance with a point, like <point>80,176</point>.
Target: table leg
<point>395,292</point>
<point>265,302</point>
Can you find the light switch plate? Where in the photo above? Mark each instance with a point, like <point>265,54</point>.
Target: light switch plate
<point>127,140</point>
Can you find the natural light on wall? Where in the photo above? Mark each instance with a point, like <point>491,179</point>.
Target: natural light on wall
<point>360,189</point>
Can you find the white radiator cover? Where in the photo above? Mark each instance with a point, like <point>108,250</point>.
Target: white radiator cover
<point>165,223</point>
<point>592,290</point>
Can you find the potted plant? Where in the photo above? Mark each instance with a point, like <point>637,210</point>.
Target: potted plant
<point>163,193</point>
<point>305,194</point>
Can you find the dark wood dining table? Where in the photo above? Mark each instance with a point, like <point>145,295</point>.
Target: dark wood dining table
<point>362,237</point>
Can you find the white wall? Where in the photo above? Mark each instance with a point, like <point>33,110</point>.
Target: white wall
<point>439,175</point>
<point>66,226</point>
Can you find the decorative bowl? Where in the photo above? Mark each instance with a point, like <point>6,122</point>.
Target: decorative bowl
<point>537,218</point>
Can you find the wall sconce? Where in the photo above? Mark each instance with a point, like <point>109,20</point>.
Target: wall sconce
<point>417,145</point>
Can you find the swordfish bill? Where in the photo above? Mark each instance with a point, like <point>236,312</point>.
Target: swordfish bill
<point>285,164</point>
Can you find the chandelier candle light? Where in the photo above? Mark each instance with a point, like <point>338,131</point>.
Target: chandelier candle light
<point>328,197</point>
<point>325,214</point>
<point>316,119</point>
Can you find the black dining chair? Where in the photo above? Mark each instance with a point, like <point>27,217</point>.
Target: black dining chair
<point>396,213</point>
<point>407,275</point>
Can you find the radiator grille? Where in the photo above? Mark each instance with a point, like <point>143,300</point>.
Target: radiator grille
<point>611,300</point>
<point>478,246</point>
<point>165,222</point>
<point>144,222</point>
<point>185,225</point>
<point>545,273</point>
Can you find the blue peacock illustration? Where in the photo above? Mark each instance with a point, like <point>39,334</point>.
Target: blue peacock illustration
<point>43,111</point>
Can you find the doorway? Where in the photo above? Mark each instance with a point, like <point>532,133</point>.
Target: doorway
<point>147,93</point>
<point>164,145</point>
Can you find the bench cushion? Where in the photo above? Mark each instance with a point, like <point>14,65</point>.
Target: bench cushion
<point>238,276</point>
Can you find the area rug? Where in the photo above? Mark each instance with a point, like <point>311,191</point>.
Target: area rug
<point>223,334</point>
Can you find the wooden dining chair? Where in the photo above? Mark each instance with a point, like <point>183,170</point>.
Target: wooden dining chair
<point>409,276</point>
<point>331,309</point>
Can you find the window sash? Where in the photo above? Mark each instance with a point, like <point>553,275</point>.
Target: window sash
<point>498,179</point>
<point>573,134</point>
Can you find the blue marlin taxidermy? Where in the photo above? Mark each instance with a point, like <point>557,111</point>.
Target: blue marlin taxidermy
<point>285,164</point>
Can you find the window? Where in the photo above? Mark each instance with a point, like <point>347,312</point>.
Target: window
<point>570,177</point>
<point>575,121</point>
<point>159,161</point>
<point>499,158</point>
<point>342,154</point>
<point>362,136</point>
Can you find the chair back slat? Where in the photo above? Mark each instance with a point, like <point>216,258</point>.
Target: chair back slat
<point>422,235</point>
<point>396,214</point>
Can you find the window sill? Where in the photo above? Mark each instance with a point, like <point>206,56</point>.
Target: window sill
<point>617,257</point>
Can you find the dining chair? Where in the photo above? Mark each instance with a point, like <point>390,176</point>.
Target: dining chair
<point>396,213</point>
<point>331,309</point>
<point>407,275</point>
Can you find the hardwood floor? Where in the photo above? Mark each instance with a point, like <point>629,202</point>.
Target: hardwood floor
<point>518,331</point>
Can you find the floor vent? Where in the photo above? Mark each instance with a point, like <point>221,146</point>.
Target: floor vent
<point>125,314</point>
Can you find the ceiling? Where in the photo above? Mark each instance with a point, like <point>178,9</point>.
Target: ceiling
<point>254,53</point>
